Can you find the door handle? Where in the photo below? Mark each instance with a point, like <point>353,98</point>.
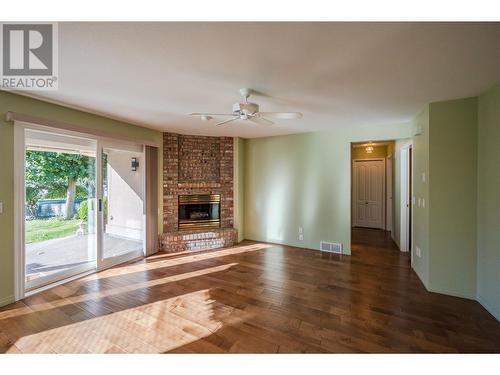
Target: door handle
<point>100,205</point>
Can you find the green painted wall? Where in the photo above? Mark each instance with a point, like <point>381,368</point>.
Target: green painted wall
<point>444,177</point>
<point>420,215</point>
<point>488,202</point>
<point>304,180</point>
<point>239,187</point>
<point>452,196</point>
<point>16,103</point>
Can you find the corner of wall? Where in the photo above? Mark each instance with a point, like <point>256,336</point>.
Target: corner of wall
<point>239,186</point>
<point>491,308</point>
<point>488,201</point>
<point>420,215</point>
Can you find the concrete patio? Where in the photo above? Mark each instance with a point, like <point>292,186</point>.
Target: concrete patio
<point>57,255</point>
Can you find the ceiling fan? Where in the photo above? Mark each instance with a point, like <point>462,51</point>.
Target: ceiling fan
<point>249,111</point>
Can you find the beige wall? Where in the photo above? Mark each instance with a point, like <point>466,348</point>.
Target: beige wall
<point>17,103</point>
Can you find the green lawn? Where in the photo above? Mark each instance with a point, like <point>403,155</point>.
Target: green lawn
<point>47,229</point>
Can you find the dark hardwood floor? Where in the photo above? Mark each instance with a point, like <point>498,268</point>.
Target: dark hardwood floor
<point>252,298</point>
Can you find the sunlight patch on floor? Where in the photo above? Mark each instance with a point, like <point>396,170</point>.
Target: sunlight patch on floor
<point>153,328</point>
<point>175,259</point>
<point>115,291</point>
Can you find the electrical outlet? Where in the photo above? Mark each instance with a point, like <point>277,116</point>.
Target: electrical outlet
<point>301,237</point>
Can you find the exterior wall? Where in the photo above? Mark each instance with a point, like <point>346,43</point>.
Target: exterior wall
<point>196,165</point>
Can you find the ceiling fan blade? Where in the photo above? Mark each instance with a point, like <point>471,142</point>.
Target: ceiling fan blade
<point>260,120</point>
<point>226,121</point>
<point>212,114</point>
<point>282,115</point>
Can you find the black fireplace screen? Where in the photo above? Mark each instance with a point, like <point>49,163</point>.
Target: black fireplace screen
<point>199,211</point>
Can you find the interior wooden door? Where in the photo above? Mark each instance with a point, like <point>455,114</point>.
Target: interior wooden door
<point>368,191</point>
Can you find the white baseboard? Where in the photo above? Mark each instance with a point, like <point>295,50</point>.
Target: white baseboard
<point>7,300</point>
<point>487,306</point>
<point>345,251</point>
<point>452,293</point>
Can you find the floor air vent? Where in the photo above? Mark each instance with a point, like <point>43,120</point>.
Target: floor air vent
<point>330,247</point>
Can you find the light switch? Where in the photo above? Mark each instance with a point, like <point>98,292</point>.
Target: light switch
<point>423,176</point>
<point>423,203</point>
<point>1,207</point>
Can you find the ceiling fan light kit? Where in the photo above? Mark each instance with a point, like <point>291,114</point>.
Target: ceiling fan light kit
<point>249,111</point>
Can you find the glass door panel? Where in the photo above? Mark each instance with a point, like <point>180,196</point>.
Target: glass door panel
<point>122,203</point>
<point>60,201</point>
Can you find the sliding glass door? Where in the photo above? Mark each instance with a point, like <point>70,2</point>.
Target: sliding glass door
<point>121,203</point>
<point>60,217</point>
<point>83,207</point>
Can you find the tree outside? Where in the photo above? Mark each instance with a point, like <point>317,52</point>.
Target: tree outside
<point>57,175</point>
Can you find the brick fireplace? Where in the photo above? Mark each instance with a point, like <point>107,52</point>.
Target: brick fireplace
<point>196,167</point>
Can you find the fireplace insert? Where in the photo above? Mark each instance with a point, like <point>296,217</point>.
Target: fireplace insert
<point>200,211</point>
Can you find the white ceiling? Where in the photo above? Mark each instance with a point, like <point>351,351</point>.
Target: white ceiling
<point>336,74</point>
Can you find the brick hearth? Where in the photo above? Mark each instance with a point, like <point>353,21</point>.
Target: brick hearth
<point>198,240</point>
<point>197,165</point>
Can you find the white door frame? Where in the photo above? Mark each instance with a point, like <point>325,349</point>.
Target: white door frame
<point>389,198</point>
<point>405,199</point>
<point>19,205</point>
<point>354,188</point>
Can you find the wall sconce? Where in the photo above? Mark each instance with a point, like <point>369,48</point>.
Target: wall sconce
<point>369,149</point>
<point>134,164</point>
